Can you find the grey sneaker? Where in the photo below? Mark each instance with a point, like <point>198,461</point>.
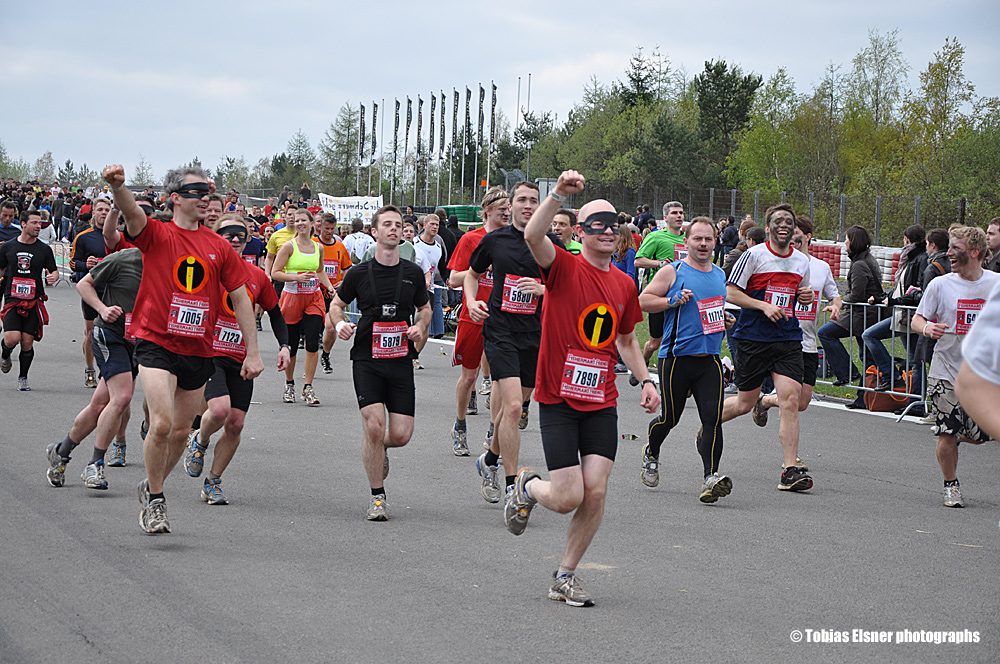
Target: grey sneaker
<point>488,400</point>
<point>377,508</point>
<point>953,496</point>
<point>759,413</point>
<point>5,364</point>
<point>794,479</point>
<point>93,475</point>
<point>91,377</point>
<point>194,460</point>
<point>56,473</point>
<point>523,422</point>
<point>715,487</point>
<point>22,384</point>
<point>488,442</point>
<point>309,396</point>
<point>116,454</point>
<point>460,442</point>
<point>211,492</point>
<point>566,588</point>
<point>289,396</point>
<point>153,517</point>
<point>416,364</point>
<point>144,491</point>
<point>491,480</point>
<point>518,507</point>
<point>487,386</point>
<point>650,468</point>
<point>324,359</point>
<point>472,408</point>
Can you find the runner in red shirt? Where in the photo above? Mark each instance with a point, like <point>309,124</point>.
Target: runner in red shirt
<point>590,310</point>
<point>469,336</point>
<point>174,320</point>
<point>336,263</point>
<point>227,392</point>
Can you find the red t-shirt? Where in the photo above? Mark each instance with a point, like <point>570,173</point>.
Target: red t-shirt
<point>179,296</point>
<point>228,340</point>
<point>315,209</point>
<point>583,312</point>
<point>459,262</point>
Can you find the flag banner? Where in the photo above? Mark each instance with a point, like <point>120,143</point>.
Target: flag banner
<point>395,135</point>
<point>493,119</point>
<point>454,125</point>
<point>374,132</point>
<point>346,208</point>
<point>420,121</point>
<point>406,136</point>
<point>441,149</point>
<point>430,142</point>
<point>468,122</point>
<point>479,134</point>
<point>361,137</point>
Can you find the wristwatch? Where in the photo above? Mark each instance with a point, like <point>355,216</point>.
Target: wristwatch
<point>556,196</point>
<point>650,381</point>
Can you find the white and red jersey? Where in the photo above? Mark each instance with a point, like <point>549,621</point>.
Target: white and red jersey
<point>765,275</point>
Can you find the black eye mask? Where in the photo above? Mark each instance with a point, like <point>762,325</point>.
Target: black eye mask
<point>194,190</point>
<point>234,230</point>
<point>606,217</point>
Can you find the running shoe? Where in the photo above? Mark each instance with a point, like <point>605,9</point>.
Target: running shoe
<point>522,424</point>
<point>211,492</point>
<point>488,442</point>
<point>385,465</point>
<point>93,475</point>
<point>759,413</point>
<point>798,464</point>
<point>416,364</point>
<point>472,408</point>
<point>953,496</point>
<point>309,396</point>
<point>153,517</point>
<point>91,377</point>
<point>116,454</point>
<point>324,359</point>
<point>22,384</point>
<point>460,441</point>
<point>56,473</point>
<point>260,328</point>
<point>144,491</point>
<point>794,479</point>
<point>518,507</point>
<point>491,480</point>
<point>289,396</point>
<point>194,460</point>
<point>650,468</point>
<point>715,487</point>
<point>620,368</point>
<point>377,508</point>
<point>5,364</point>
<point>566,588</point>
<point>143,429</point>
<point>731,389</point>
<point>487,386</point>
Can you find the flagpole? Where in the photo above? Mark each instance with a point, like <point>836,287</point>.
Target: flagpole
<point>479,140</point>
<point>489,154</point>
<point>372,159</point>
<point>361,149</point>
<point>437,196</point>
<point>451,157</point>
<point>465,143</point>
<point>381,149</point>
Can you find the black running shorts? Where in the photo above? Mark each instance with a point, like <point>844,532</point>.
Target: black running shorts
<point>226,381</point>
<point>758,359</point>
<point>89,313</point>
<point>113,354</point>
<point>810,366</point>
<point>192,372</point>
<point>512,354</point>
<point>15,322</point>
<point>569,434</point>
<point>388,382</point>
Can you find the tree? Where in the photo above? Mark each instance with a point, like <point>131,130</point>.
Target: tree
<point>302,160</point>
<point>875,85</point>
<point>725,96</point>
<point>66,174</point>
<point>337,165</point>
<point>142,175</point>
<point>87,177</point>
<point>641,83</point>
<point>45,168</point>
<point>763,158</point>
<point>668,154</point>
<point>233,173</point>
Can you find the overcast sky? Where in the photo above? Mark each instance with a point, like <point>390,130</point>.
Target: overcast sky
<point>104,82</point>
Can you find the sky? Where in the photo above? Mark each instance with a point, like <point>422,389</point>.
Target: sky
<point>170,82</point>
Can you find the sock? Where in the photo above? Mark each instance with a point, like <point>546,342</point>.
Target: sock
<point>289,382</point>
<point>120,440</point>
<point>212,476</point>
<point>380,491</point>
<point>953,482</point>
<point>526,404</point>
<point>197,422</point>
<point>459,425</point>
<point>4,351</point>
<point>154,496</point>
<point>491,459</point>
<point>326,355</point>
<point>565,571</point>
<point>24,360</point>
<point>526,492</point>
<point>307,385</point>
<point>66,447</point>
<point>491,429</point>
<point>510,480</point>
<point>98,455</point>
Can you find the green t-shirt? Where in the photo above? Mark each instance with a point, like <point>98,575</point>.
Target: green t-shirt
<point>119,275</point>
<point>659,246</point>
<point>406,252</point>
<point>574,247</point>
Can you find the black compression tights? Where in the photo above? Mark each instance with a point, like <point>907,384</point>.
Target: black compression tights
<point>311,326</point>
<point>701,376</point>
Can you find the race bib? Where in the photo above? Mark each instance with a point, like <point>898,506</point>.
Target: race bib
<point>680,252</point>
<point>228,337</point>
<point>302,287</point>
<point>128,329</point>
<point>486,279</point>
<point>23,289</point>
<point>584,376</point>
<point>389,340</point>
<point>332,269</point>
<point>514,300</point>
<point>967,312</point>
<point>808,311</point>
<point>250,259</point>
<point>780,296</point>
<point>713,314</point>
<point>188,315</point>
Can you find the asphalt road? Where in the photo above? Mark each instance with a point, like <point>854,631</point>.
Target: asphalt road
<point>291,571</point>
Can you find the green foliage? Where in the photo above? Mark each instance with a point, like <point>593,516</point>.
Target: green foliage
<point>725,95</point>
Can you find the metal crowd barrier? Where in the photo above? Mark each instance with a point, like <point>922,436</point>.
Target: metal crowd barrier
<point>877,313</point>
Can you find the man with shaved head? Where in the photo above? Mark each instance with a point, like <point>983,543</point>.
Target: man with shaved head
<point>591,310</point>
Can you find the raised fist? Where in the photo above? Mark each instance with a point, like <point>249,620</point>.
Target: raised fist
<point>114,175</point>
